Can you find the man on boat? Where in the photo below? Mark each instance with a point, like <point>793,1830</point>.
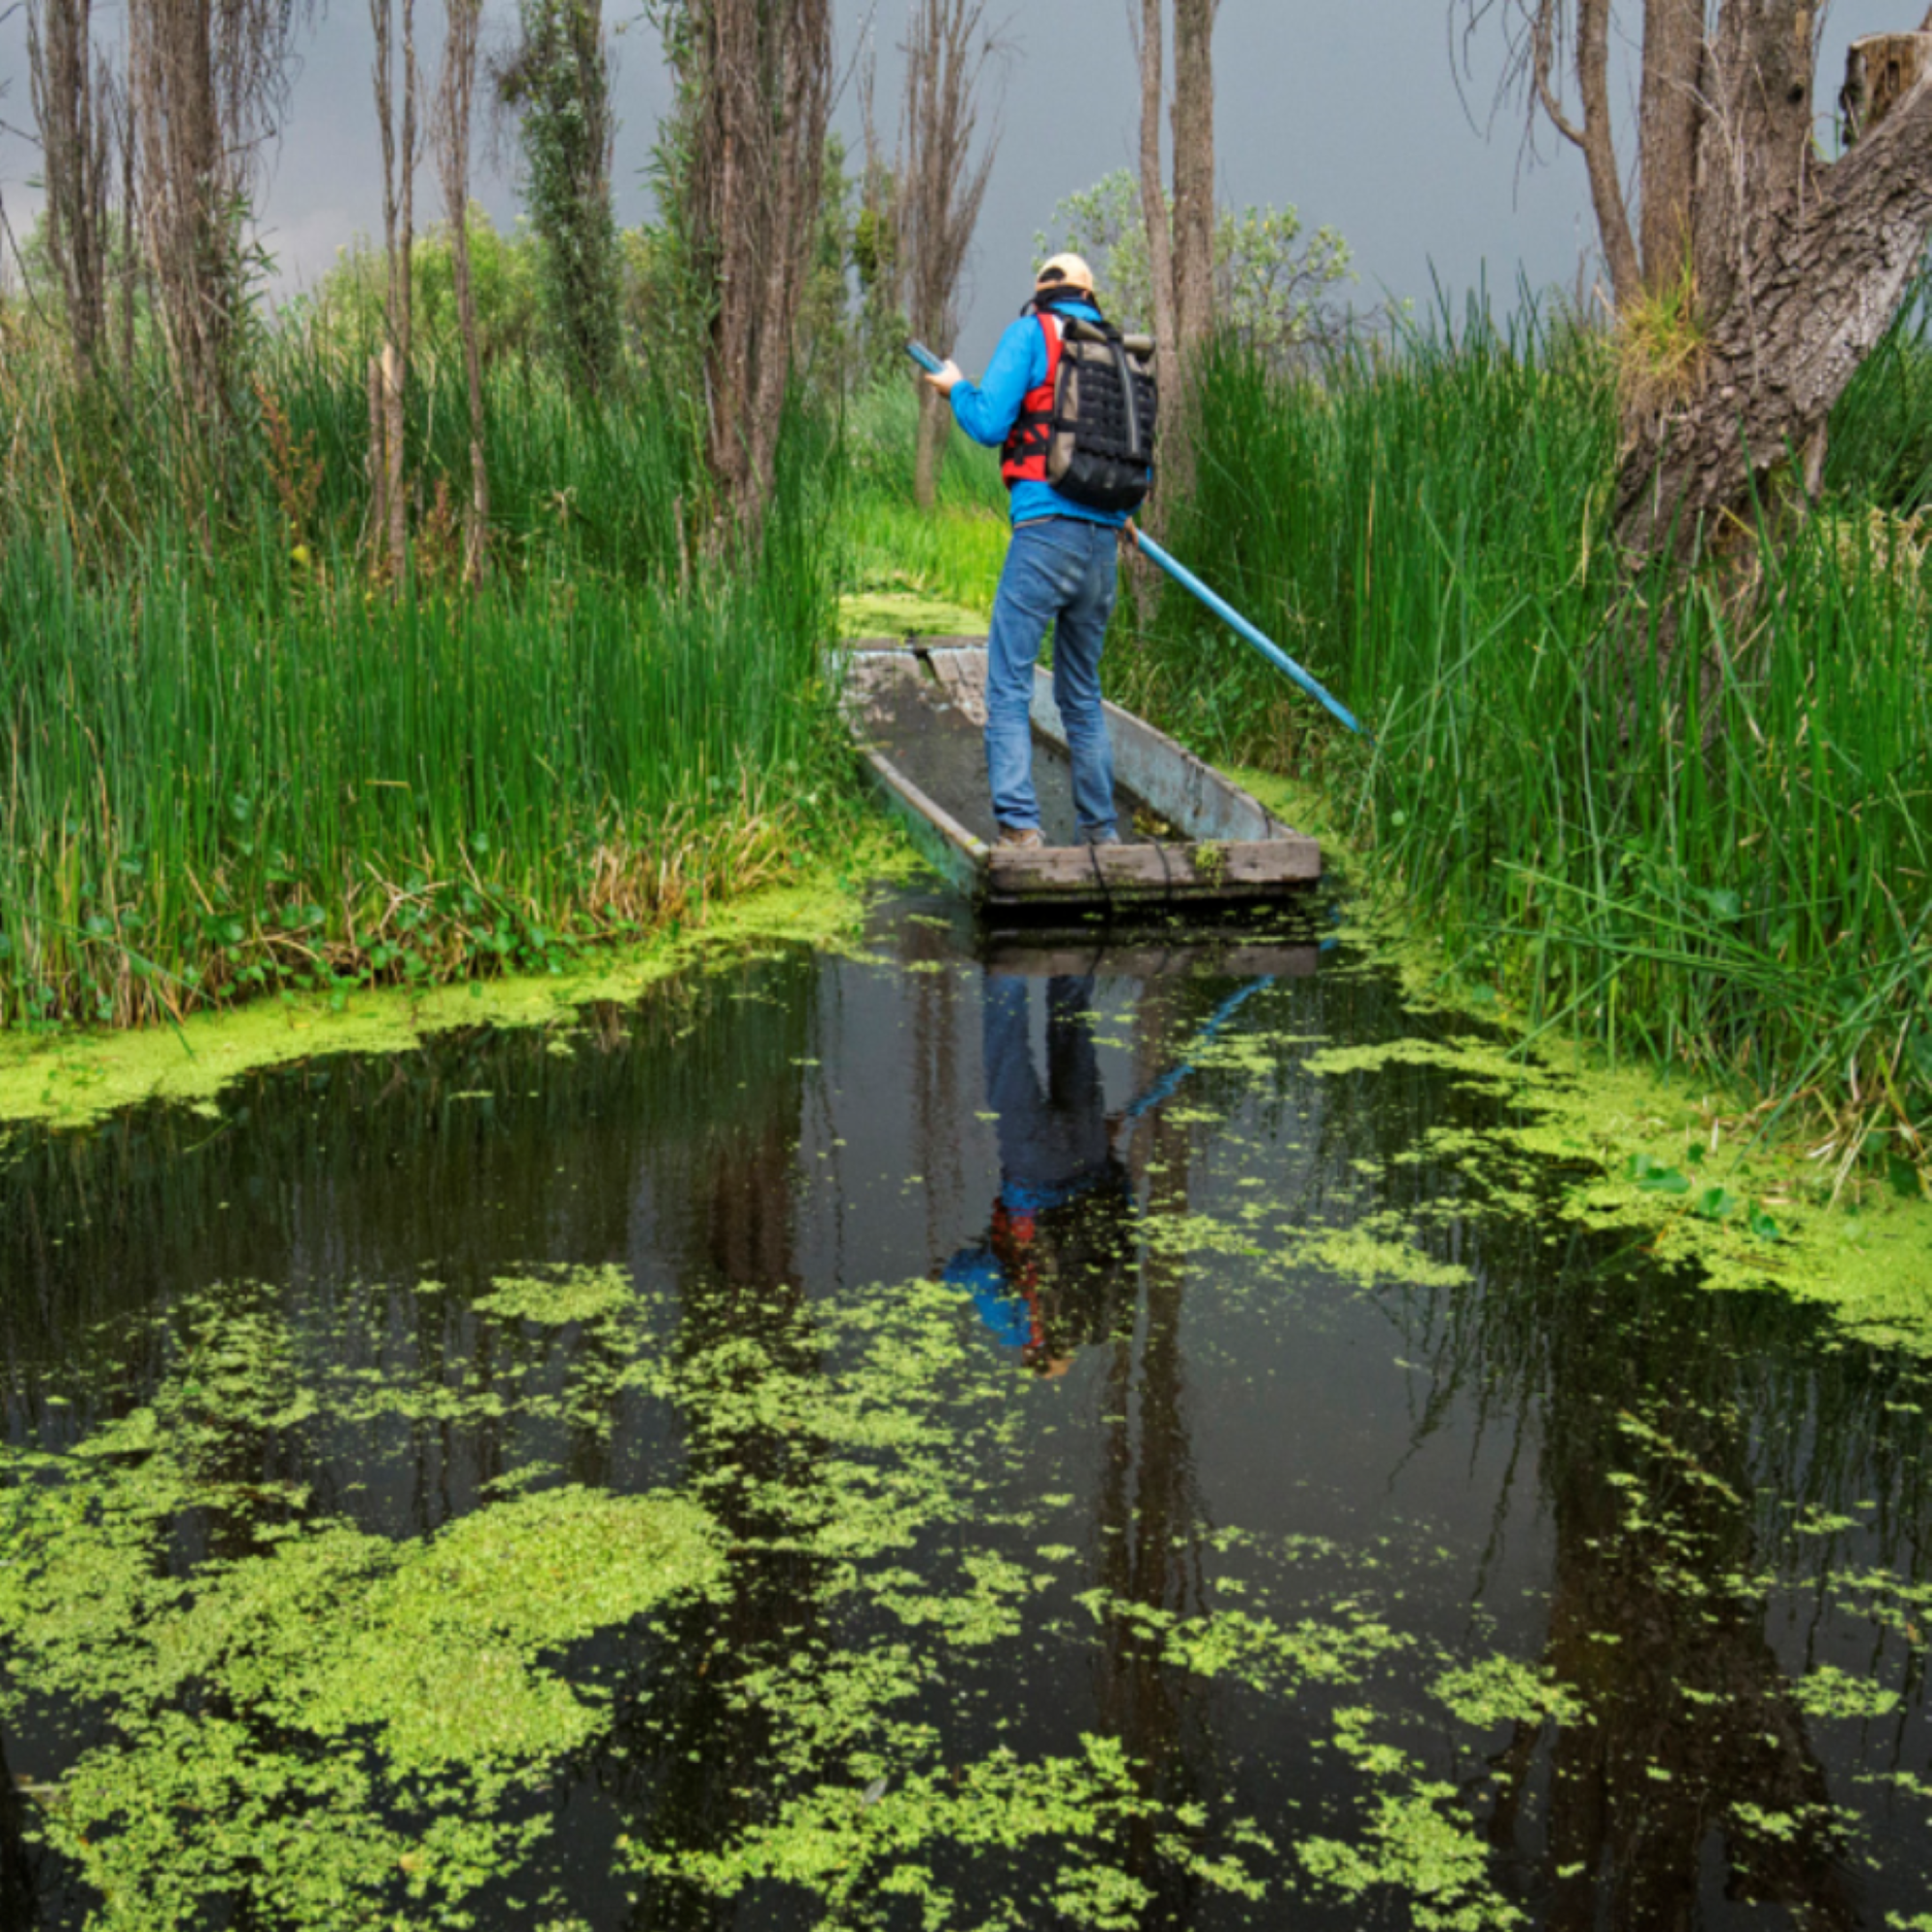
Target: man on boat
<point>1060,568</point>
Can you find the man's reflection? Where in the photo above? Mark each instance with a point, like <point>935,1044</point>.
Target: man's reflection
<point>1050,1276</point>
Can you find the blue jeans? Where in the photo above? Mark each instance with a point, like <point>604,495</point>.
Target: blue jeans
<point>1059,572</point>
<point>1053,1137</point>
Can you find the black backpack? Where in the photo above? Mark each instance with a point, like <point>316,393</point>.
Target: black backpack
<point>1099,451</point>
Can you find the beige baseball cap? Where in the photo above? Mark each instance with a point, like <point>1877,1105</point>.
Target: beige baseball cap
<point>1064,271</point>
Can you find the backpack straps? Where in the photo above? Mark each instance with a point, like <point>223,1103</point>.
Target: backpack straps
<point>1023,456</point>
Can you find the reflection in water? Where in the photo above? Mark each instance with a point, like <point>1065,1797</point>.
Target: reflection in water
<point>1061,1269</point>
<point>1049,1275</point>
<point>1684,1746</point>
<point>1148,1510</point>
<point>1326,1404</point>
<point>19,1884</point>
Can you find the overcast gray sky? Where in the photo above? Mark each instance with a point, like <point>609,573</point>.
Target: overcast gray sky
<point>1348,109</point>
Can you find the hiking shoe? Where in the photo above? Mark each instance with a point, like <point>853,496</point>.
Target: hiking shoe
<point>1107,838</point>
<point>1020,839</point>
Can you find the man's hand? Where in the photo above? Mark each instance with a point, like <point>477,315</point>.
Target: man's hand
<point>1131,538</point>
<point>947,378</point>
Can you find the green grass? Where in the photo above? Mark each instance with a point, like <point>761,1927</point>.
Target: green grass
<point>1730,869</point>
<point>890,549</point>
<point>1881,446</point>
<point>236,760</point>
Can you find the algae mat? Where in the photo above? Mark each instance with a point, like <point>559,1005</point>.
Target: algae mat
<point>71,1077</point>
<point>860,1439</point>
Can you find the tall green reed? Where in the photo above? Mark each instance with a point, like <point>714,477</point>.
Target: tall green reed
<point>233,759</point>
<point>1717,854</point>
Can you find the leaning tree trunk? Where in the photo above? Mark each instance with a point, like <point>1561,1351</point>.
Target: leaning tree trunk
<point>1797,288</point>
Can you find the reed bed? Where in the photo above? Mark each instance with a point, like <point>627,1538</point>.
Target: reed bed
<point>1719,855</point>
<point>237,759</point>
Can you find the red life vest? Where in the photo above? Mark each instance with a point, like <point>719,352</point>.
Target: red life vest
<point>1023,456</point>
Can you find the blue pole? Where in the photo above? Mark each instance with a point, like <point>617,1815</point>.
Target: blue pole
<point>1231,617</point>
<point>1164,1088</point>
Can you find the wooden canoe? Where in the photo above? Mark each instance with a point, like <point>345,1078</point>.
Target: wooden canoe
<point>1189,834</point>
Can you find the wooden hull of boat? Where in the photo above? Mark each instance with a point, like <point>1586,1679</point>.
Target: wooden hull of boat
<point>1198,838</point>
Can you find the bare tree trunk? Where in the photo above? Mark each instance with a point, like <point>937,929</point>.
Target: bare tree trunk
<point>131,266</point>
<point>940,189</point>
<point>759,73</point>
<point>405,316</point>
<point>205,85</point>
<point>1176,472</point>
<point>1799,267</point>
<point>455,103</point>
<point>1153,187</point>
<point>1755,152</point>
<point>1193,173</point>
<point>804,104</point>
<point>392,526</point>
<point>1180,243</point>
<point>72,109</point>
<point>1668,114</point>
<point>1595,137</point>
<point>172,56</point>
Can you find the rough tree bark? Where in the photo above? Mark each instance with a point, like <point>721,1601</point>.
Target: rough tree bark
<point>757,79</point>
<point>455,103</point>
<point>941,185</point>
<point>72,101</point>
<point>1782,269</point>
<point>1820,278</point>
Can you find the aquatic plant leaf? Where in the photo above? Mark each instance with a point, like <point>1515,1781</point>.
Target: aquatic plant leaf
<point>1655,1177</point>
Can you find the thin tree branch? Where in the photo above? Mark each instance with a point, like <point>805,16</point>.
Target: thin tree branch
<point>1544,45</point>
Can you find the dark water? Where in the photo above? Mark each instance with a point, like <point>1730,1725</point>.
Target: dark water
<point>1162,1483</point>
